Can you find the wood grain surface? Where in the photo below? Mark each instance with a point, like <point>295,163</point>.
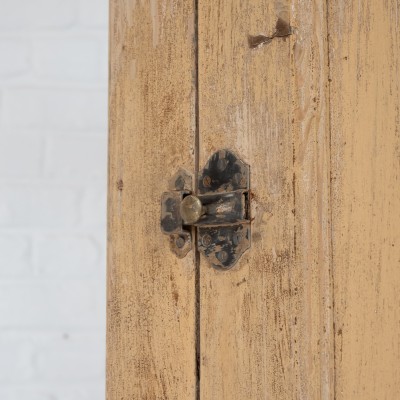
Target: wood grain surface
<point>151,294</point>
<point>365,100</point>
<point>266,325</point>
<point>308,94</point>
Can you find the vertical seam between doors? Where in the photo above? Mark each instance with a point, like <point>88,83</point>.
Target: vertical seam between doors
<point>196,174</point>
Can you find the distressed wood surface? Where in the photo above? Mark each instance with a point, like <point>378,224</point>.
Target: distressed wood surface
<point>365,100</point>
<point>266,325</point>
<point>312,311</point>
<point>151,293</point>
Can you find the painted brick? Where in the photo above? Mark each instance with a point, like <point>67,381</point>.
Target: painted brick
<point>29,14</point>
<point>54,108</point>
<point>103,66</point>
<point>57,357</point>
<point>51,356</point>
<point>43,391</point>
<point>16,57</point>
<point>83,157</point>
<point>68,59</point>
<point>21,156</point>
<point>16,361</point>
<point>53,128</point>
<point>81,256</point>
<point>34,206</point>
<point>94,206</point>
<point>93,13</point>
<point>52,304</point>
<point>15,256</point>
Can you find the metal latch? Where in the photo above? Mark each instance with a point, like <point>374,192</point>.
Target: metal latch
<point>219,211</point>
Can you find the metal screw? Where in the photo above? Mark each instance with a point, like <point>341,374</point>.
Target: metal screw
<point>222,256</point>
<point>179,242</point>
<point>206,240</point>
<point>207,181</point>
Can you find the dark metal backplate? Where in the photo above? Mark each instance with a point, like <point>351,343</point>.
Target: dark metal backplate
<point>171,221</point>
<point>224,172</point>
<point>223,245</point>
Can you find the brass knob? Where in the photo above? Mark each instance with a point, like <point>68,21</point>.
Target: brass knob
<point>191,209</point>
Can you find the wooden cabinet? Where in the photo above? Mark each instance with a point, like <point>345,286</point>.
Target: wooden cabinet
<point>312,309</point>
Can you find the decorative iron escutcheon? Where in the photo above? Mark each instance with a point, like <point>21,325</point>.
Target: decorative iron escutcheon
<point>219,211</point>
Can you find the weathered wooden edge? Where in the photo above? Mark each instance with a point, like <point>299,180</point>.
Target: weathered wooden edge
<point>150,292</point>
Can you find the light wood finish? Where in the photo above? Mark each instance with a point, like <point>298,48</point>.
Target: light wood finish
<point>151,293</point>
<point>365,101</point>
<point>312,310</point>
<point>266,325</point>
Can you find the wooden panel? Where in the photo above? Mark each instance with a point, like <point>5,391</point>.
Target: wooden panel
<point>266,325</point>
<point>151,294</point>
<point>365,98</point>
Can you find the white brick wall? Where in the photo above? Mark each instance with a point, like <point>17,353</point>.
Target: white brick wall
<point>53,139</point>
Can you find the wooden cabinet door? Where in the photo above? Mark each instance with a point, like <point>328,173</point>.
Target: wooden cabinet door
<point>308,94</point>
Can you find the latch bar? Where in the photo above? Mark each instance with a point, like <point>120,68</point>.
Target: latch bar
<point>220,211</point>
